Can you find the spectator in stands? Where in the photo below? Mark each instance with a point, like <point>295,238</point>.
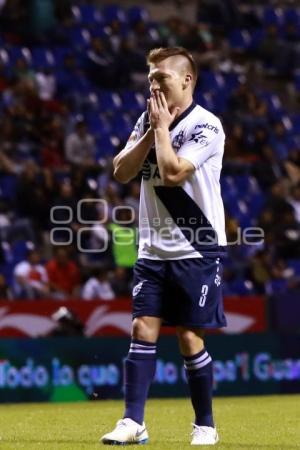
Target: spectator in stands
<point>64,211</point>
<point>273,45</point>
<point>98,287</point>
<point>101,66</point>
<point>142,38</point>
<point>63,274</point>
<point>277,202</point>
<point>280,140</point>
<point>22,71</point>
<point>5,291</point>
<point>292,165</point>
<point>268,169</point>
<point>235,143</point>
<point>124,245</point>
<point>12,227</point>
<point>35,192</point>
<point>120,282</point>
<point>287,234</point>
<point>67,323</point>
<point>46,84</point>
<point>99,243</point>
<point>294,200</point>
<point>80,147</point>
<point>31,279</point>
<point>133,199</point>
<point>264,269</point>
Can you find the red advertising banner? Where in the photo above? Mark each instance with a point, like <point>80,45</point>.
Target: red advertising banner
<point>103,318</point>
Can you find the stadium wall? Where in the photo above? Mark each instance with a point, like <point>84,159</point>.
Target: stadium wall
<point>75,369</point>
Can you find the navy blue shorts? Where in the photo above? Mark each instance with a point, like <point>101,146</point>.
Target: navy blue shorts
<point>185,292</point>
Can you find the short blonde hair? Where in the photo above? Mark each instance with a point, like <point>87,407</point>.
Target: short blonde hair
<point>159,54</point>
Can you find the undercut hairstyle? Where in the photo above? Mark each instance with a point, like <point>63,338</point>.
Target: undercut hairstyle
<point>159,54</point>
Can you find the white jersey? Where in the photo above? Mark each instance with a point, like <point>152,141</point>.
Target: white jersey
<point>185,221</point>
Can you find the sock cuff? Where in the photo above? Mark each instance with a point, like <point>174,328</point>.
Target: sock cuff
<point>143,343</point>
<point>197,355</point>
<point>197,361</point>
<point>142,350</point>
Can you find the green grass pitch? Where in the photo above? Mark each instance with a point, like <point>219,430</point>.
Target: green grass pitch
<point>251,423</point>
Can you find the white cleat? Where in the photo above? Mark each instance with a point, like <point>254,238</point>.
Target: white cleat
<point>204,435</point>
<point>127,432</point>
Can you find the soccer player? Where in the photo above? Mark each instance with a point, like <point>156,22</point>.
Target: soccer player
<point>178,146</point>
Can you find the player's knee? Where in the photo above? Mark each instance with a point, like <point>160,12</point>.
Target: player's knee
<point>142,330</point>
<point>190,341</point>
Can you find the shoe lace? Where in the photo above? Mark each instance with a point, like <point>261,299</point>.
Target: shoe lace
<point>121,423</point>
<point>198,430</point>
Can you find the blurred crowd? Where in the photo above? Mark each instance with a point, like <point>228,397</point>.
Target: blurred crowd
<point>73,81</point>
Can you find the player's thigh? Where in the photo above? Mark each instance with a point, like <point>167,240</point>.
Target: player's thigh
<point>147,297</point>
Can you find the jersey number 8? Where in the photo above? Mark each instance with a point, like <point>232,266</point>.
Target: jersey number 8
<point>204,291</point>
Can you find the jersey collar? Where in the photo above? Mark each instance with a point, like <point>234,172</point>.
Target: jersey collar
<point>182,115</point>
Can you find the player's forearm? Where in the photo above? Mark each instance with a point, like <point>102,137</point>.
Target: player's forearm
<point>167,160</point>
<point>128,163</point>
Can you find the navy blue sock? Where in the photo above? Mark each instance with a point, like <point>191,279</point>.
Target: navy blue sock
<point>199,373</point>
<point>140,366</point>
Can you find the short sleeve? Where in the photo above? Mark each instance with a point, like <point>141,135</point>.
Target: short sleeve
<point>202,141</point>
<point>21,269</point>
<point>137,132</point>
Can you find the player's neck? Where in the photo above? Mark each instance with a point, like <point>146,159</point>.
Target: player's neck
<point>184,105</point>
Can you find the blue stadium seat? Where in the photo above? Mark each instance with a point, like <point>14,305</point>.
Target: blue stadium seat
<point>42,58</point>
<point>20,249</point>
<point>113,12</point>
<point>60,54</point>
<point>255,204</point>
<point>15,53</point>
<point>121,126</point>
<point>278,286</point>
<point>256,38</point>
<point>294,264</point>
<point>7,270</point>
<point>241,287</point>
<point>296,123</point>
<point>292,16</point>
<point>211,81</point>
<point>106,146</point>
<point>87,15</point>
<point>273,103</point>
<point>240,39</point>
<point>133,102</point>
<point>8,184</point>
<point>272,16</point>
<point>297,81</point>
<point>97,124</point>
<point>80,38</point>
<point>205,99</point>
<point>109,101</point>
<point>136,14</point>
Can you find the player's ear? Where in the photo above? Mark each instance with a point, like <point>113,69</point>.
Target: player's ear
<point>187,80</point>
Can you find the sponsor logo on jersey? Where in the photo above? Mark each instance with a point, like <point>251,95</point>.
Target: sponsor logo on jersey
<point>207,126</point>
<point>146,170</point>
<point>178,141</point>
<point>199,138</point>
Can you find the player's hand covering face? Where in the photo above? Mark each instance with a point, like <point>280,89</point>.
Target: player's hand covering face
<point>159,113</point>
